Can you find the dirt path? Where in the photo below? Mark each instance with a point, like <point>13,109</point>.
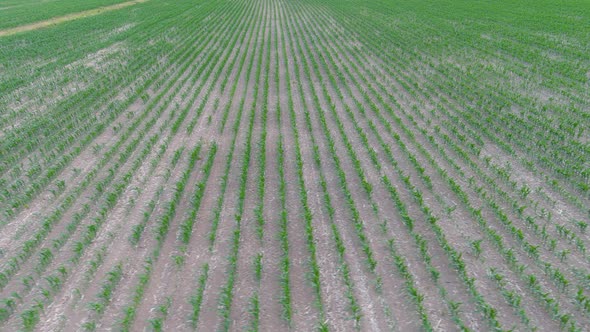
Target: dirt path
<point>67,18</point>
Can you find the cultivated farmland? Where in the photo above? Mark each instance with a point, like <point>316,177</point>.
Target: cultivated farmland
<point>273,165</point>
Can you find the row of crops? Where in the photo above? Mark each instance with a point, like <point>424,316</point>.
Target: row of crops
<point>305,165</point>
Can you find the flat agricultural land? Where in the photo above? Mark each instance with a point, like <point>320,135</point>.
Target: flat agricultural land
<point>294,165</point>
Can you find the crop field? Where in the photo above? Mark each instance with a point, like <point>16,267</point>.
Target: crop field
<point>275,165</point>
